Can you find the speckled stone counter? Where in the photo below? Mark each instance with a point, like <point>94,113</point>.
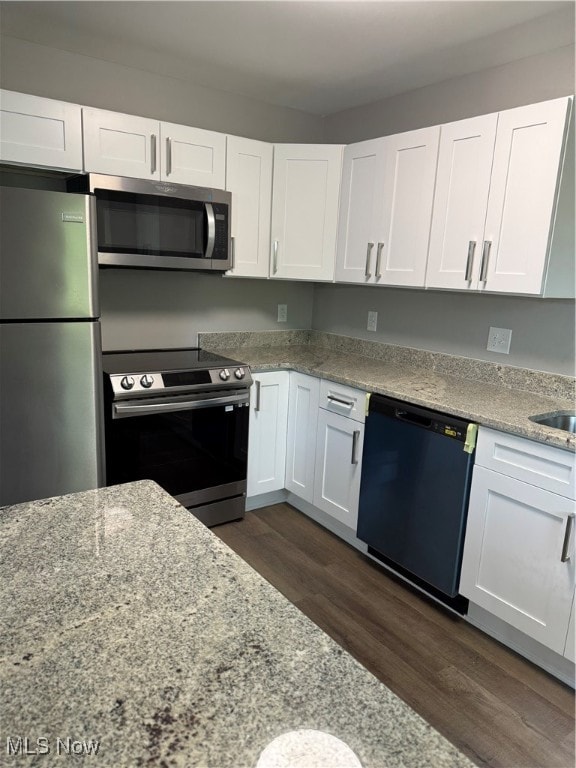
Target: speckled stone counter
<point>495,396</point>
<point>128,624</point>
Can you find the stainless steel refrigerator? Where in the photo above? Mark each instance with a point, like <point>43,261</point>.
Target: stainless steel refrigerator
<point>51,440</point>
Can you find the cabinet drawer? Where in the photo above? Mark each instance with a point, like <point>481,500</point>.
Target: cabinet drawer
<point>545,466</point>
<point>339,398</point>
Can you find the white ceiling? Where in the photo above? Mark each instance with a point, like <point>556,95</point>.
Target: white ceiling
<point>320,56</point>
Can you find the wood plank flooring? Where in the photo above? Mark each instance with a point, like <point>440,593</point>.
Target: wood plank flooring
<point>498,708</point>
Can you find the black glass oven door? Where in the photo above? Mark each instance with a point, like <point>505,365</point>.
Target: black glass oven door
<point>196,455</point>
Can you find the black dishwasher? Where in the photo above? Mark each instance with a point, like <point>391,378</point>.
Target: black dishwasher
<point>414,491</point>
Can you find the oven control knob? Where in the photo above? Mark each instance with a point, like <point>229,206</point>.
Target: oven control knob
<point>147,381</point>
<point>239,373</point>
<point>127,382</point>
<point>225,374</point>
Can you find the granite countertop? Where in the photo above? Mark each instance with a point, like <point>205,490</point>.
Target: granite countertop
<point>438,386</point>
<point>130,625</point>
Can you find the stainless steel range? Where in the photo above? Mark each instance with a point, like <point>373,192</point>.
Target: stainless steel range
<point>179,417</point>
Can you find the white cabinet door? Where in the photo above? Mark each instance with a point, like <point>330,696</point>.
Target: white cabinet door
<point>267,441</point>
<point>521,205</point>
<point>406,213</point>
<point>40,132</point>
<point>338,466</point>
<point>360,204</point>
<point>305,196</point>
<point>301,440</point>
<point>460,201</point>
<point>513,565</point>
<point>570,648</point>
<point>193,156</point>
<point>249,179</point>
<point>121,145</point>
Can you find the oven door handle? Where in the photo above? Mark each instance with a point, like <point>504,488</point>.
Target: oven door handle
<point>124,410</point>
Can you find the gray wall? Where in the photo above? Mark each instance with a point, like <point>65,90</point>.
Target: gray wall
<point>56,74</point>
<point>168,309</point>
<point>454,323</point>
<point>537,78</point>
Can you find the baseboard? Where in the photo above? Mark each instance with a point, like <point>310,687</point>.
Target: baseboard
<point>543,657</point>
<point>266,499</point>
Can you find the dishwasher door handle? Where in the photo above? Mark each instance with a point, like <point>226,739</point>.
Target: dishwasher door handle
<point>413,418</point>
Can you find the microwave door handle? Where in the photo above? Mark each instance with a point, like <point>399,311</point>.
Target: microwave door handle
<point>211,222</point>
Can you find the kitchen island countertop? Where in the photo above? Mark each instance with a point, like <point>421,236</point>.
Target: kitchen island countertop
<point>130,625</point>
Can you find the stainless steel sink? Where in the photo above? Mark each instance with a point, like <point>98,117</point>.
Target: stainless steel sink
<point>565,420</point>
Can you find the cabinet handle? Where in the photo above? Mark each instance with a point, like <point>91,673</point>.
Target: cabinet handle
<point>485,259</point>
<point>368,252</point>
<point>337,400</point>
<point>355,438</point>
<point>275,257</point>
<point>153,153</point>
<point>168,156</point>
<point>378,259</point>
<point>257,403</point>
<point>567,535</point>
<point>470,262</point>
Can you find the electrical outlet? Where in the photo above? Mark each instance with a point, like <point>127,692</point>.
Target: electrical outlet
<point>372,320</point>
<point>499,340</point>
<point>282,313</point>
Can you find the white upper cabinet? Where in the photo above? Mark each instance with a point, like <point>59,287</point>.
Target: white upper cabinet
<point>504,208</point>
<point>40,132</point>
<point>126,145</point>
<point>527,161</point>
<point>408,194</point>
<point>305,197</point>
<point>249,179</point>
<point>121,145</point>
<point>192,156</point>
<point>462,187</point>
<point>386,208</point>
<point>360,206</point>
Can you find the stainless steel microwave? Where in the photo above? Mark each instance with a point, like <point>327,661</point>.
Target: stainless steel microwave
<point>157,225</point>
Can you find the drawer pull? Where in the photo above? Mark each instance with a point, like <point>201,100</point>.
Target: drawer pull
<point>337,401</point>
<point>567,536</point>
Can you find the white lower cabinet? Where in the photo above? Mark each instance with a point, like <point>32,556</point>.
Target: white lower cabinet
<point>570,649</point>
<point>518,561</point>
<point>339,452</point>
<point>268,423</point>
<point>301,438</point>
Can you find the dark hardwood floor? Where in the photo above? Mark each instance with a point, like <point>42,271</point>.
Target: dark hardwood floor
<point>498,708</point>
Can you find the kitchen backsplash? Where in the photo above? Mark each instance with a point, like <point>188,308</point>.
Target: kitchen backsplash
<point>538,382</point>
